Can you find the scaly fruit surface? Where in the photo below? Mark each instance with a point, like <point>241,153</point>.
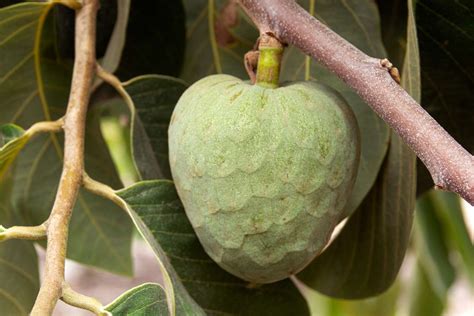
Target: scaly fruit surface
<point>263,173</point>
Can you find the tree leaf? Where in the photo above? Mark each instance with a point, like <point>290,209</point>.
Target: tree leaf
<point>205,55</point>
<point>431,248</point>
<point>113,53</point>
<point>446,35</point>
<point>423,298</point>
<point>448,209</point>
<point>358,22</point>
<point>384,304</point>
<point>12,140</point>
<point>99,232</point>
<point>216,291</point>
<point>18,263</point>
<point>155,39</point>
<point>178,299</point>
<point>34,87</point>
<point>365,258</point>
<point>154,98</point>
<point>393,19</point>
<point>143,300</point>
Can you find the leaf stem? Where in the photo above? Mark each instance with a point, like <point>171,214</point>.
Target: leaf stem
<point>45,127</point>
<point>115,82</point>
<point>269,61</point>
<point>23,232</point>
<point>76,299</point>
<point>103,190</point>
<point>73,167</point>
<point>450,165</point>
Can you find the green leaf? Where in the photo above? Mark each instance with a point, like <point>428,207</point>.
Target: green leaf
<point>446,35</point>
<point>411,71</point>
<point>34,87</point>
<point>216,291</point>
<point>12,140</point>
<point>154,98</point>
<point>113,53</point>
<point>384,304</point>
<point>423,298</point>
<point>18,263</point>
<point>146,299</point>
<point>431,247</point>
<point>132,199</point>
<point>204,55</point>
<point>366,256</point>
<point>10,132</point>
<point>448,209</point>
<point>100,232</point>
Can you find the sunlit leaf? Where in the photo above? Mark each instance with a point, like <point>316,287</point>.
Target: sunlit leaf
<point>12,140</point>
<point>34,87</point>
<point>216,291</point>
<point>143,300</point>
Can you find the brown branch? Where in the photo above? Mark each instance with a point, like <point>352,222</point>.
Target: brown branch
<point>73,168</point>
<point>450,165</point>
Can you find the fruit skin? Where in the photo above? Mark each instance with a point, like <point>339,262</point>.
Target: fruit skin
<point>263,174</point>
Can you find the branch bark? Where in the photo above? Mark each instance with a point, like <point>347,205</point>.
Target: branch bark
<point>73,168</point>
<point>450,165</point>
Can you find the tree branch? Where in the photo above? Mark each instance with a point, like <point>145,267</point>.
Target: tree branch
<point>73,168</point>
<point>450,165</point>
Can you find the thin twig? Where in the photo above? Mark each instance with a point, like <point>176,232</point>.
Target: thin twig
<point>450,165</point>
<point>23,232</point>
<point>73,168</point>
<point>73,298</point>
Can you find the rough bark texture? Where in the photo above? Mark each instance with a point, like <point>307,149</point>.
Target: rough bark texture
<point>73,168</point>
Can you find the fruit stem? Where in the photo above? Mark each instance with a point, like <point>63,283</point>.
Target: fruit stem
<point>269,61</point>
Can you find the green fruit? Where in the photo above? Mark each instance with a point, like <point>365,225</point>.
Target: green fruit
<point>263,173</point>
